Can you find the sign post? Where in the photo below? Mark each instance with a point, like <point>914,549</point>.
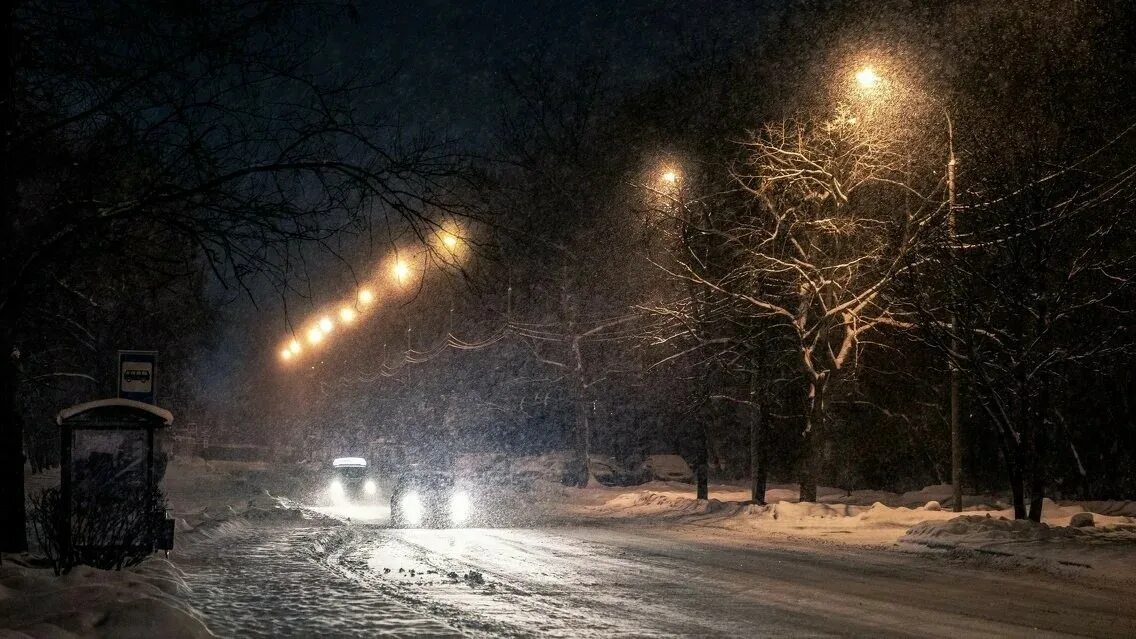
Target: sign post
<point>137,375</point>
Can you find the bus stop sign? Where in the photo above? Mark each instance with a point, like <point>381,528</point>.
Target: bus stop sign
<point>137,375</point>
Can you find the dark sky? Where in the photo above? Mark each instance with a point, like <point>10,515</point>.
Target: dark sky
<point>451,53</point>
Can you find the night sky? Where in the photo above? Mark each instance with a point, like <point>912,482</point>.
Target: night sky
<point>450,60</point>
<point>451,55</point>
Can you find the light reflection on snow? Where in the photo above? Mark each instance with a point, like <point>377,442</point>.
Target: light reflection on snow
<point>369,513</point>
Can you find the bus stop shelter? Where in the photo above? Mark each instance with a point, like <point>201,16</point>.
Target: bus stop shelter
<point>109,460</point>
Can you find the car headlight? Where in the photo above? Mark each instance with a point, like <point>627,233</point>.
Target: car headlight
<point>412,508</point>
<point>460,507</point>
<point>336,488</point>
<point>370,488</point>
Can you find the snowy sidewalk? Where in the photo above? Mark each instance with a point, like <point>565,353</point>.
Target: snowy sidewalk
<point>270,580</point>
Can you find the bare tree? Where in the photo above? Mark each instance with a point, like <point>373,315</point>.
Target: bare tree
<point>1048,298</point>
<point>215,124</point>
<point>811,258</point>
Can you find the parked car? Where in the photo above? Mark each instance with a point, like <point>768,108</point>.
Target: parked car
<point>429,499</point>
<point>351,481</point>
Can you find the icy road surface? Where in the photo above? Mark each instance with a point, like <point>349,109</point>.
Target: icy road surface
<point>364,580</point>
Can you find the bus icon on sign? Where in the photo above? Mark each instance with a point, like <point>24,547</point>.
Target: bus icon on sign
<point>136,375</point>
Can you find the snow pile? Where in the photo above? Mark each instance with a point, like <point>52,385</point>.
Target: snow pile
<point>1110,508</point>
<point>144,601</point>
<point>984,528</point>
<point>1108,543</point>
<point>207,499</point>
<point>675,501</point>
<point>547,467</point>
<point>216,498</point>
<point>606,470</point>
<point>668,468</point>
<point>1069,535</point>
<point>941,494</point>
<point>646,503</point>
<point>479,464</point>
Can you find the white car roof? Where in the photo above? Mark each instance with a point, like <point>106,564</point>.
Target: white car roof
<point>349,462</point>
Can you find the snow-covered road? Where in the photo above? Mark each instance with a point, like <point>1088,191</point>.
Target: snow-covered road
<point>363,580</point>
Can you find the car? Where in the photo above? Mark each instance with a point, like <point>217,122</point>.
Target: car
<point>350,481</point>
<point>429,499</point>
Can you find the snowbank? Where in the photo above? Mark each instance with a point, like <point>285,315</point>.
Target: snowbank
<point>207,500</point>
<point>144,601</point>
<point>1107,545</point>
<point>668,468</point>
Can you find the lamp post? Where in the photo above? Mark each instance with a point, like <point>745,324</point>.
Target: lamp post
<point>869,80</point>
<point>956,435</point>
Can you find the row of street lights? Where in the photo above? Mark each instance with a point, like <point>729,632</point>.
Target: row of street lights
<point>400,271</point>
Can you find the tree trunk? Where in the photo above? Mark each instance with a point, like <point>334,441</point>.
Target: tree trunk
<point>812,442</point>
<point>1037,495</point>
<point>1017,488</point>
<point>1011,458</point>
<point>13,526</point>
<point>583,431</point>
<point>702,463</point>
<point>1014,469</point>
<point>13,532</point>
<point>806,463</point>
<point>758,455</point>
<point>807,481</point>
<point>1038,452</point>
<point>582,470</point>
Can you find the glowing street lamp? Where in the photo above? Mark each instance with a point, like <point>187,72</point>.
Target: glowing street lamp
<point>294,346</point>
<point>286,354</point>
<point>450,243</point>
<point>366,296</point>
<point>669,177</point>
<point>325,324</point>
<point>347,314</point>
<point>867,78</point>
<point>315,335</point>
<point>400,271</point>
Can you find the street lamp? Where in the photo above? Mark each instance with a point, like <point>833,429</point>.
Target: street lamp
<point>294,346</point>
<point>286,354</point>
<point>325,324</point>
<point>400,271</point>
<point>366,297</point>
<point>315,335</point>
<point>347,314</point>
<point>868,79</point>
<point>450,241</point>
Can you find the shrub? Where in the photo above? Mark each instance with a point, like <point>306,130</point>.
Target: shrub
<point>110,530</point>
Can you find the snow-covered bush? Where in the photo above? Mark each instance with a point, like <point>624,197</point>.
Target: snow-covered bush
<point>110,531</point>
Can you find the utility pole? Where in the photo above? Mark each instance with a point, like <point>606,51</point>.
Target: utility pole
<point>956,436</point>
